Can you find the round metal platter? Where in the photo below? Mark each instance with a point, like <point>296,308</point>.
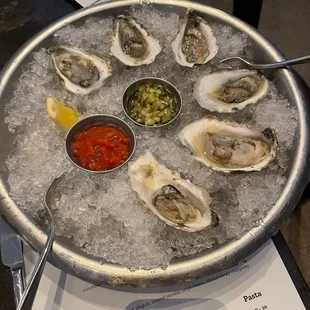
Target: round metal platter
<point>71,259</point>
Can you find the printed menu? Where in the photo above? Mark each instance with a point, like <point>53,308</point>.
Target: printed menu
<point>260,282</point>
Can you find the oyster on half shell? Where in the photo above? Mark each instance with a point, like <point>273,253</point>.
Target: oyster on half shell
<point>230,91</point>
<point>176,201</point>
<point>226,146</point>
<point>132,44</point>
<point>80,73</point>
<point>195,43</point>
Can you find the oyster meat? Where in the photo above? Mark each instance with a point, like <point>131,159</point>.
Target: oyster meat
<point>230,91</point>
<point>226,146</point>
<point>176,201</point>
<point>132,44</point>
<point>80,73</point>
<point>195,43</point>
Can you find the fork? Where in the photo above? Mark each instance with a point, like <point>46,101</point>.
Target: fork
<point>281,64</point>
<point>28,297</point>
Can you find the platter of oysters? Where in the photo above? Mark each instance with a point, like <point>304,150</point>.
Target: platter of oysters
<point>167,153</point>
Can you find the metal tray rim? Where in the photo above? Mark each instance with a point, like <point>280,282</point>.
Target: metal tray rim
<point>193,267</point>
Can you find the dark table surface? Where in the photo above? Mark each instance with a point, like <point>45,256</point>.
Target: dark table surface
<point>19,21</point>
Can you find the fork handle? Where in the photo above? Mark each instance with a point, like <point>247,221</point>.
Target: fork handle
<point>285,63</point>
<point>18,284</point>
<point>32,287</point>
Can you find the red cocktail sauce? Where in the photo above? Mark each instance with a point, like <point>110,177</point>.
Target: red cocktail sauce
<point>101,148</point>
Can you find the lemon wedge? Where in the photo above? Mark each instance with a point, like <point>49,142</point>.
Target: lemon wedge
<point>63,116</point>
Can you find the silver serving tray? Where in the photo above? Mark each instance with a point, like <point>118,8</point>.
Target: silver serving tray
<point>71,259</point>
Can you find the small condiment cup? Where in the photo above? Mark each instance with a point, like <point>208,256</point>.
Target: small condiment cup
<point>98,120</point>
<point>167,86</point>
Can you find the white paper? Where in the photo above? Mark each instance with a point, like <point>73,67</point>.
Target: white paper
<point>85,3</point>
<point>258,283</point>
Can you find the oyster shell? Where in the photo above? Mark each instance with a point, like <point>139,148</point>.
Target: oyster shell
<point>195,43</point>
<point>230,91</point>
<point>132,44</point>
<point>226,146</point>
<point>80,73</point>
<point>176,201</point>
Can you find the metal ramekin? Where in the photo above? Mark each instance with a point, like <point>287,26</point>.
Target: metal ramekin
<point>98,120</point>
<point>132,88</point>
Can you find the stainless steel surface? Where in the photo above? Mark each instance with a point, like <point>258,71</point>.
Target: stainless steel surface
<point>34,281</point>
<point>89,268</point>
<point>280,64</point>
<point>171,89</point>
<point>12,256</point>
<point>99,120</point>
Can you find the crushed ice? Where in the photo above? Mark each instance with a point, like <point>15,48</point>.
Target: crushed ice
<point>101,212</point>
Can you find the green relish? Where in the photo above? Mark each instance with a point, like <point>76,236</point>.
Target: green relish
<point>151,105</point>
